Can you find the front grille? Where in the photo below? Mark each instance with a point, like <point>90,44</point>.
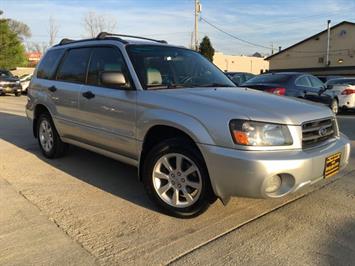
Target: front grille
<point>9,85</point>
<point>316,132</point>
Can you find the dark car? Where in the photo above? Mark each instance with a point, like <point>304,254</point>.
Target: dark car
<point>327,78</point>
<point>9,83</point>
<point>300,85</point>
<point>239,78</point>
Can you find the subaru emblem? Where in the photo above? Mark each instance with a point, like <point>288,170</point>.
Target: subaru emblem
<point>322,131</point>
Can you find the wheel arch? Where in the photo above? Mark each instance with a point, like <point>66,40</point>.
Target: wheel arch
<point>39,109</point>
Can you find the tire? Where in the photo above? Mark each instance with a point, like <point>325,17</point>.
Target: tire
<point>17,94</point>
<point>179,199</point>
<point>334,106</point>
<point>48,138</point>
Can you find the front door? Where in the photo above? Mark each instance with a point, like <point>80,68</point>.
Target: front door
<point>108,114</point>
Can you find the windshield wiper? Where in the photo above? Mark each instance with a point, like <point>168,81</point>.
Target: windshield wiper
<point>167,86</point>
<point>215,85</point>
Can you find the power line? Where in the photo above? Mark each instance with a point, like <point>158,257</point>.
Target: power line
<point>233,36</point>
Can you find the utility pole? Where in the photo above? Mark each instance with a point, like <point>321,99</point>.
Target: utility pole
<point>198,9</point>
<point>272,48</point>
<point>327,62</point>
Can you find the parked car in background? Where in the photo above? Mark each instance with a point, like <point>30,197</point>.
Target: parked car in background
<point>25,82</point>
<point>344,91</point>
<point>9,83</point>
<point>294,84</point>
<point>325,79</point>
<point>239,77</point>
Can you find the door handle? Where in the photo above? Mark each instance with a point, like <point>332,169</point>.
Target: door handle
<point>88,95</point>
<point>52,88</point>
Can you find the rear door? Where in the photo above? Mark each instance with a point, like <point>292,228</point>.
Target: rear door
<point>304,87</point>
<point>70,77</point>
<point>108,114</point>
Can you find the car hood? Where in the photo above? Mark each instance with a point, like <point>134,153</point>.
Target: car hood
<point>246,103</point>
<point>9,79</point>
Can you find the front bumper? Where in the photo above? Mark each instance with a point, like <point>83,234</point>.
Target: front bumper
<point>10,89</point>
<point>245,173</point>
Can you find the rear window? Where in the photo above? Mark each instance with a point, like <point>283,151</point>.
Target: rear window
<point>341,82</point>
<point>49,64</point>
<point>269,78</point>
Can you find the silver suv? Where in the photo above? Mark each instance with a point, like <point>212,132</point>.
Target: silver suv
<point>191,133</point>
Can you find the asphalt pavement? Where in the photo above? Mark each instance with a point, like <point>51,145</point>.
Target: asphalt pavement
<point>88,209</point>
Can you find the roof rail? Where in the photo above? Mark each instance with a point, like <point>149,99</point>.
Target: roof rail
<point>65,41</point>
<point>106,35</point>
<point>103,35</point>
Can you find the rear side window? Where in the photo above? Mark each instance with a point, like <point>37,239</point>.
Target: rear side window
<point>74,65</point>
<point>269,78</point>
<point>105,59</point>
<point>303,81</point>
<point>49,64</point>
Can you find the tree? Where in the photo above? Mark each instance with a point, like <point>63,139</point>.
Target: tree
<point>96,23</point>
<point>20,28</point>
<point>12,51</point>
<point>53,31</point>
<point>39,47</point>
<point>206,48</point>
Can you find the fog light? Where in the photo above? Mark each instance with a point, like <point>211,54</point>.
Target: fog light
<point>273,184</point>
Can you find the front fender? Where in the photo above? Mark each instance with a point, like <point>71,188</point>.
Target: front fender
<point>190,125</point>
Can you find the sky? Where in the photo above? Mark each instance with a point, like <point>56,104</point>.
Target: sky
<point>264,22</point>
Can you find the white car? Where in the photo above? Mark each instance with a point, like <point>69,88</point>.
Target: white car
<point>344,91</point>
<point>25,82</point>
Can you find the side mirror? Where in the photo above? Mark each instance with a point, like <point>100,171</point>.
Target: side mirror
<point>113,78</point>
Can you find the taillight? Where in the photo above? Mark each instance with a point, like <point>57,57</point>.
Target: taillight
<point>277,91</point>
<point>347,92</point>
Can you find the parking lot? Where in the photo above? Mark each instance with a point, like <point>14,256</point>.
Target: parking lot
<point>89,209</point>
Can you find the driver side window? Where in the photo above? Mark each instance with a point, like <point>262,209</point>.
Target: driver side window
<point>105,59</point>
<point>316,83</point>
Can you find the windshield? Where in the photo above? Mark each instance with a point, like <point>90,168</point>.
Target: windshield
<point>268,78</point>
<point>162,67</point>
<point>5,73</point>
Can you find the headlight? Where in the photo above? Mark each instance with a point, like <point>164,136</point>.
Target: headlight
<point>252,133</point>
<point>17,82</point>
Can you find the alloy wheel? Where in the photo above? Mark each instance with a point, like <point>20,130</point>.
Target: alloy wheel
<point>46,135</point>
<point>177,180</point>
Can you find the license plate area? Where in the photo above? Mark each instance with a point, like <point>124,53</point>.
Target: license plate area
<point>332,165</point>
